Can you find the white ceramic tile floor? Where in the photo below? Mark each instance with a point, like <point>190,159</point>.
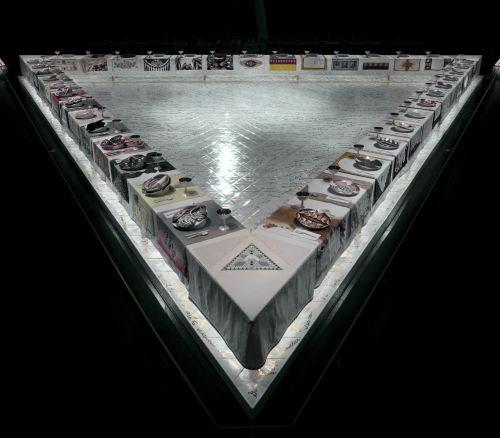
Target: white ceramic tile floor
<point>251,144</point>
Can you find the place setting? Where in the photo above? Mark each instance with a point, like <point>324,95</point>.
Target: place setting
<point>158,191</point>
<point>118,142</point>
<point>386,144</point>
<point>51,78</point>
<point>193,218</point>
<point>415,114</point>
<point>337,188</point>
<point>67,91</point>
<point>104,127</point>
<point>368,164</point>
<point>86,114</point>
<point>427,103</point>
<point>158,185</point>
<point>352,193</point>
<point>435,93</point>
<point>304,221</point>
<point>358,163</point>
<point>400,126</point>
<point>442,85</point>
<point>188,223</point>
<point>98,127</point>
<point>344,187</point>
<point>75,102</point>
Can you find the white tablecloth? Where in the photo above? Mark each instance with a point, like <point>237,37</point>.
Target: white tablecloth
<point>251,308</point>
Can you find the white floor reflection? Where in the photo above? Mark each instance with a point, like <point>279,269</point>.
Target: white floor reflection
<point>251,145</point>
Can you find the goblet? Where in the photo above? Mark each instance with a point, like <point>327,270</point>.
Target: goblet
<point>118,125</point>
<point>302,196</point>
<point>306,52</point>
<point>398,52</point>
<point>185,180</point>
<point>223,214</point>
<point>367,52</point>
<point>333,169</point>
<point>157,159</point>
<point>358,148</point>
<point>181,52</point>
<point>392,116</point>
<point>244,52</point>
<point>102,109</point>
<point>378,129</point>
<point>336,52</point>
<point>117,53</point>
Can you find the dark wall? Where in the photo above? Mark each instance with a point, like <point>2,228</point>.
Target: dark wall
<point>255,25</point>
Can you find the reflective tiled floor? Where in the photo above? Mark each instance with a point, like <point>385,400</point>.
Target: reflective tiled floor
<point>251,145</point>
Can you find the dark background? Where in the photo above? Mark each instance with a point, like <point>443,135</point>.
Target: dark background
<point>253,25</point>
<point>80,356</point>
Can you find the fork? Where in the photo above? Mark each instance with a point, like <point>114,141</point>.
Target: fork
<point>201,233</point>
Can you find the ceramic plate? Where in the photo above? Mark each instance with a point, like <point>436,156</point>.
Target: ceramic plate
<point>427,104</point>
<point>133,163</point>
<point>312,219</point>
<point>402,129</point>
<point>191,218</point>
<point>343,187</point>
<point>386,144</point>
<point>99,130</point>
<point>435,93</point>
<point>367,164</point>
<point>158,185</point>
<point>415,114</point>
<point>85,116</point>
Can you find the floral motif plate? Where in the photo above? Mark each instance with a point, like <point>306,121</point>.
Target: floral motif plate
<point>312,219</point>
